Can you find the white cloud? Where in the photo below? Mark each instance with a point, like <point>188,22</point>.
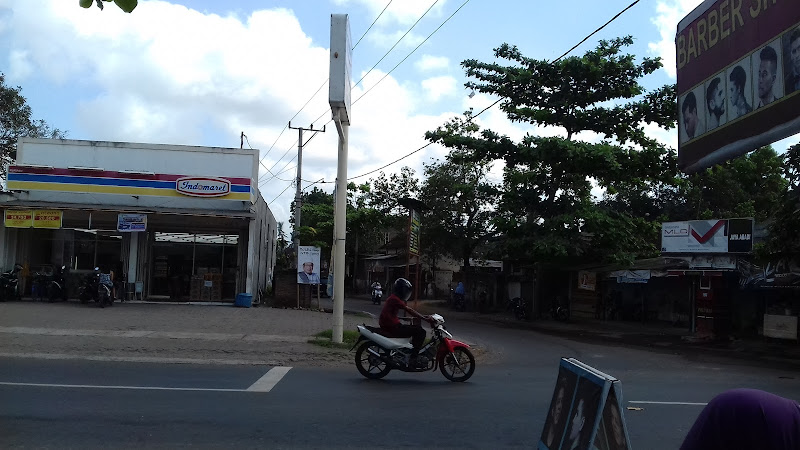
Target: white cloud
<point>438,87</point>
<point>428,63</point>
<point>404,12</point>
<point>669,13</point>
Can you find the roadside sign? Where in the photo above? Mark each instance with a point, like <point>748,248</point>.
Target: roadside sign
<point>131,223</point>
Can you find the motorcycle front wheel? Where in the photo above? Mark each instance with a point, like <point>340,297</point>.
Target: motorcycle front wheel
<point>459,365</point>
<point>370,365</point>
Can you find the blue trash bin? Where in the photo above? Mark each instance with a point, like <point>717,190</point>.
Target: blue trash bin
<point>244,300</point>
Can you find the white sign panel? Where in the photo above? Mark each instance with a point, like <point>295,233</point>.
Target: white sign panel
<point>340,65</point>
<point>203,186</point>
<point>131,222</point>
<point>696,236</point>
<point>308,264</point>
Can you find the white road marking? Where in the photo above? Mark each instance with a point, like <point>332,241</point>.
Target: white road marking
<point>137,388</point>
<point>668,403</point>
<point>269,380</point>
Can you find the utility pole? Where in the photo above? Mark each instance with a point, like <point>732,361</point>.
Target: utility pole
<point>298,199</point>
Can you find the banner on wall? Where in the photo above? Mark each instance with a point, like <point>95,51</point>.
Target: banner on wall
<point>47,218</point>
<point>19,218</point>
<point>131,223</point>
<point>33,218</point>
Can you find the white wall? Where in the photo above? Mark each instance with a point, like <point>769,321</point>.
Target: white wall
<point>157,158</point>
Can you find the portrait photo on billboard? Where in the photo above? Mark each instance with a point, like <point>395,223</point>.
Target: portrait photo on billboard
<point>558,414</point>
<point>791,60</point>
<point>308,264</point>
<point>767,64</point>
<point>588,399</point>
<point>715,101</point>
<point>612,435</point>
<point>740,90</point>
<point>693,119</point>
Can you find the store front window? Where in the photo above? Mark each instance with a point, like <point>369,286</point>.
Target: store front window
<point>197,267</point>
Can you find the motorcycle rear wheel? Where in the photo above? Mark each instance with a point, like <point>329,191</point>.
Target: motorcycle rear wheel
<point>368,364</point>
<point>459,365</point>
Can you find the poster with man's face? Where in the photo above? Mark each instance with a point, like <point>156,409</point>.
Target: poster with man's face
<point>791,60</point>
<point>740,89</point>
<point>767,64</point>
<point>557,415</point>
<point>692,121</point>
<point>308,264</point>
<point>585,407</point>
<point>715,100</point>
<point>612,434</point>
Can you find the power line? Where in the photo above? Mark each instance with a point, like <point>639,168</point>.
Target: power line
<point>370,27</point>
<point>411,53</point>
<point>571,49</point>
<point>387,165</point>
<point>260,161</point>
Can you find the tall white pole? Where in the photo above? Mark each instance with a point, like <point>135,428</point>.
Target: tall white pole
<point>340,228</point>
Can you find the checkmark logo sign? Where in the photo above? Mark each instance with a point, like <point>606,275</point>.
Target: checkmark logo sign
<point>708,234</point>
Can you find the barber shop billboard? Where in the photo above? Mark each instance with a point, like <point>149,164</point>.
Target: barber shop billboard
<point>738,68</point>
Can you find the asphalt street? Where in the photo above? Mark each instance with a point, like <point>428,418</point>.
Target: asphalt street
<point>79,403</point>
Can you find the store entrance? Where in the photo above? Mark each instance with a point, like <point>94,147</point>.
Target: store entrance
<point>195,267</point>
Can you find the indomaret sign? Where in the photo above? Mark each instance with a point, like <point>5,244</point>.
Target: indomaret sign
<point>738,68</point>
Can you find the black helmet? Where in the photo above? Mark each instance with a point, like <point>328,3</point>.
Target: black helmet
<point>402,289</point>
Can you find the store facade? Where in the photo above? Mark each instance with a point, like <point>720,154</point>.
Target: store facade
<point>174,222</point>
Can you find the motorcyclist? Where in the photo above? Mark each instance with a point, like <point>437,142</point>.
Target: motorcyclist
<point>389,321</point>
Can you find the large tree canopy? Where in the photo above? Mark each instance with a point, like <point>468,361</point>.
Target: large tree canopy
<point>548,210</point>
<point>16,122</point>
<point>125,5</point>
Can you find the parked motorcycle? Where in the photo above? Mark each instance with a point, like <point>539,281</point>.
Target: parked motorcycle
<point>89,287</point>
<point>58,285</point>
<point>459,302</point>
<point>9,284</point>
<point>377,293</point>
<point>377,355</point>
<point>104,296</point>
<point>517,305</point>
<point>559,310</point>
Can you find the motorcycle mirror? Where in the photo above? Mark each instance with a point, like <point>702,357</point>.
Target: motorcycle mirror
<point>96,268</point>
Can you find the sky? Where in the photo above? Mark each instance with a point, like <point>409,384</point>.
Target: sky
<point>201,72</point>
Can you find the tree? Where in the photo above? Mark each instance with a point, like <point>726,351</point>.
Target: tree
<point>547,211</point>
<point>748,186</point>
<point>16,122</point>
<point>461,201</point>
<point>125,5</point>
<point>783,230</point>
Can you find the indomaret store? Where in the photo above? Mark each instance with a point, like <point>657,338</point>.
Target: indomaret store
<point>175,222</point>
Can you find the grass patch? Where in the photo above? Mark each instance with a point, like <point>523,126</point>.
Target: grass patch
<point>323,339</point>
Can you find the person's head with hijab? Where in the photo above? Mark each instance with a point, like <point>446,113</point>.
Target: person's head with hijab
<point>746,419</point>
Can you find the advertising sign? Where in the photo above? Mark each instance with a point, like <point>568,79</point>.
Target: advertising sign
<point>203,186</point>
<point>47,218</point>
<point>738,70</point>
<point>587,280</point>
<point>707,236</point>
<point>413,233</point>
<point>19,218</point>
<point>308,264</point>
<point>131,222</point>
<point>340,65</point>
<point>585,410</point>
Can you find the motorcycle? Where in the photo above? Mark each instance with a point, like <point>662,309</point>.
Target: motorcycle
<point>9,284</point>
<point>104,296</point>
<point>58,286</point>
<point>518,306</point>
<point>377,294</point>
<point>377,354</point>
<point>459,302</point>
<point>89,288</point>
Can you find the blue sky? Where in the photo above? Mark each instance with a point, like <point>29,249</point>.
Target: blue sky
<point>199,72</point>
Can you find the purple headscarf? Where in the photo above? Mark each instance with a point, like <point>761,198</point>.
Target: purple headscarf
<point>746,419</point>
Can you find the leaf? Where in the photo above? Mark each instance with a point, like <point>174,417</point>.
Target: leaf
<point>126,5</point>
<point>86,3</point>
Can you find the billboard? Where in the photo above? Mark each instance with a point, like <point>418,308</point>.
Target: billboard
<point>738,68</point>
<point>308,264</point>
<point>707,236</point>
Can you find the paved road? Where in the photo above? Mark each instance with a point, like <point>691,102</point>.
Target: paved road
<point>318,403</point>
